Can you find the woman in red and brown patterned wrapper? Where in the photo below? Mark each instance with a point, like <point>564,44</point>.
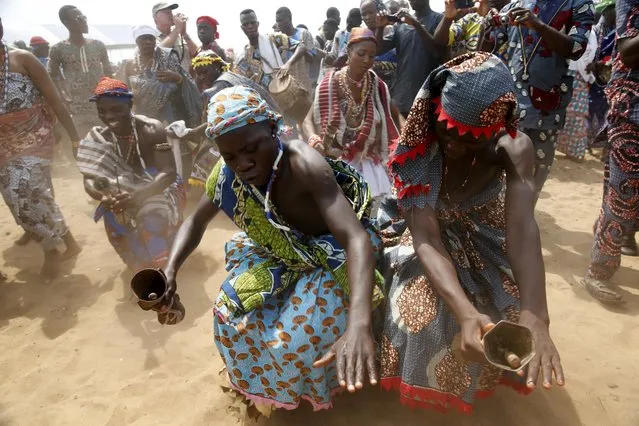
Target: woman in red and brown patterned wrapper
<point>471,255</point>
<point>26,152</point>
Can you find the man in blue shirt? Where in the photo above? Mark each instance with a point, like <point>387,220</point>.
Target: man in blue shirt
<point>417,52</point>
<point>536,39</point>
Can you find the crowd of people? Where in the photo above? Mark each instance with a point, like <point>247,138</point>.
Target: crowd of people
<point>384,176</point>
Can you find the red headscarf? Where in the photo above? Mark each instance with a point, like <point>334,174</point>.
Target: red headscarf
<point>111,87</point>
<point>211,21</point>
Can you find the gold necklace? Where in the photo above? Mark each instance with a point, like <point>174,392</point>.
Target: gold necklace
<point>463,185</point>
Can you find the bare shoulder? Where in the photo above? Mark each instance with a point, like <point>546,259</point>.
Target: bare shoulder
<point>518,153</point>
<point>308,164</point>
<point>21,56</point>
<point>518,148</point>
<point>150,129</point>
<point>23,61</point>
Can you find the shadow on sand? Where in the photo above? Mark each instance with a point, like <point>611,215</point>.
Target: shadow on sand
<point>570,257</point>
<point>380,408</point>
<point>144,325</point>
<point>57,302</point>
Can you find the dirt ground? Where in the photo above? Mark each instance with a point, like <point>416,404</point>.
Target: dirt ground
<point>78,350</point>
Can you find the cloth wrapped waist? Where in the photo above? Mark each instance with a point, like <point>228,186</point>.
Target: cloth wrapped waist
<point>26,132</point>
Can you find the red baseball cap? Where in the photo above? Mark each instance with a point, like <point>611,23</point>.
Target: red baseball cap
<point>37,40</point>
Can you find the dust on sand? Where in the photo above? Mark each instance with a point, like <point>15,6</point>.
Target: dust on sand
<point>79,351</point>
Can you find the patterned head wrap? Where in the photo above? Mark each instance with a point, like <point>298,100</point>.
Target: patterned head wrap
<point>236,107</point>
<point>211,21</point>
<point>208,57</point>
<point>359,35</point>
<point>110,87</point>
<point>472,93</point>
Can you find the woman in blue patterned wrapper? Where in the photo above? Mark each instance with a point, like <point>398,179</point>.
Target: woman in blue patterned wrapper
<point>472,254</point>
<point>291,302</point>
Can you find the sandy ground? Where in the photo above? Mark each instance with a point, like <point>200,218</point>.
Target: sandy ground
<point>79,350</point>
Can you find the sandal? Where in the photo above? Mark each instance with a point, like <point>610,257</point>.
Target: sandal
<point>601,291</point>
<point>148,285</point>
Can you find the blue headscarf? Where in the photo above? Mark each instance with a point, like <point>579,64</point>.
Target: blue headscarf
<point>236,107</point>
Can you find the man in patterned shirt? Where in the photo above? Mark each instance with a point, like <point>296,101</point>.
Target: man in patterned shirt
<point>83,63</point>
<point>537,39</point>
<point>461,29</point>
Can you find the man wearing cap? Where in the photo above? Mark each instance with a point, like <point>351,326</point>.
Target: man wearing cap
<point>173,33</point>
<point>537,40</point>
<point>76,65</point>
<point>208,35</point>
<point>40,48</point>
<point>129,167</point>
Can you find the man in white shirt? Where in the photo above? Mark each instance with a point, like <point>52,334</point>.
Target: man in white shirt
<point>173,33</point>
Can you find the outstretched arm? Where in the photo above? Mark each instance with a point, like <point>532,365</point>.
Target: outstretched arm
<point>43,82</point>
<point>187,240</point>
<point>354,351</point>
<point>524,255</point>
<point>441,273</point>
<point>427,39</point>
<point>300,53</point>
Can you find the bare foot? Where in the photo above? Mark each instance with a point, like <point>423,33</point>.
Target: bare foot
<point>73,248</point>
<point>51,267</point>
<point>24,239</point>
<point>71,252</point>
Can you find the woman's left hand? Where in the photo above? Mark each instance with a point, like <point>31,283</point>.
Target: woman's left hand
<point>354,354</point>
<point>546,360</point>
<point>168,77</point>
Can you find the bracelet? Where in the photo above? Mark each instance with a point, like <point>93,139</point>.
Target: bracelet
<point>163,147</point>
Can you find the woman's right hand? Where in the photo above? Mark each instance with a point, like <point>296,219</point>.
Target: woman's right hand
<point>168,77</point>
<point>472,330</point>
<point>450,9</point>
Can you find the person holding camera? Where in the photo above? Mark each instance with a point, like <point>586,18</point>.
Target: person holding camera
<point>417,52</point>
<point>461,28</point>
<point>536,39</point>
<point>173,33</point>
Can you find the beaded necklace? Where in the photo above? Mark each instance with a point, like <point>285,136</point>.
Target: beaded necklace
<point>269,190</point>
<point>4,77</point>
<point>354,110</point>
<point>133,144</point>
